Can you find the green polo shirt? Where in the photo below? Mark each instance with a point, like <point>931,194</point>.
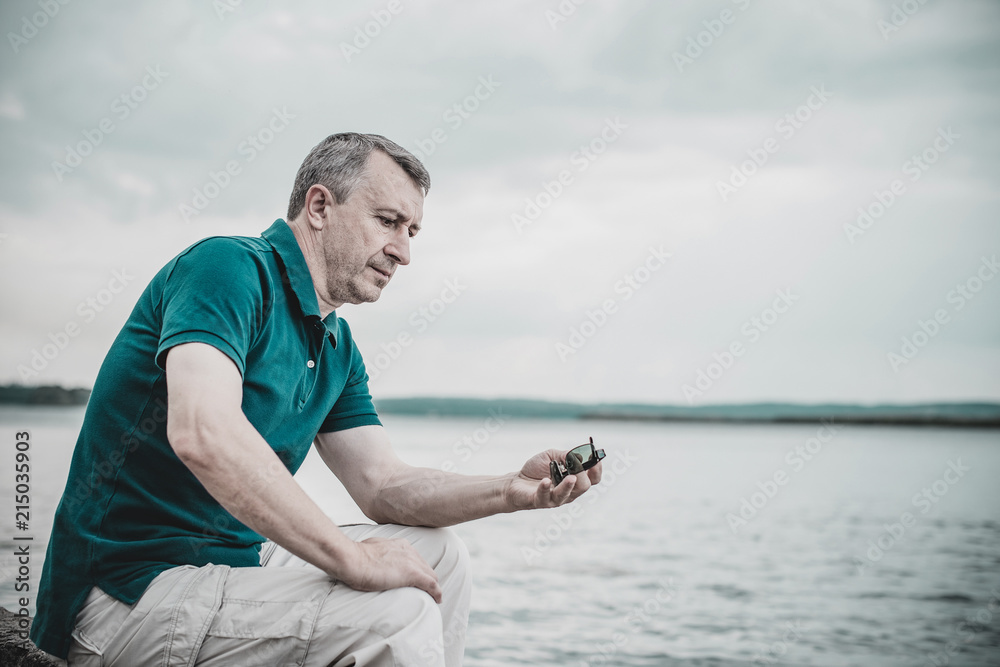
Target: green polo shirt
<point>131,509</point>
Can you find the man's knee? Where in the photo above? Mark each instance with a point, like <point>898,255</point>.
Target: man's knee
<point>450,551</point>
<point>455,551</point>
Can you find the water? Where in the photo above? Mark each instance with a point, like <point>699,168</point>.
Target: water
<point>649,570</point>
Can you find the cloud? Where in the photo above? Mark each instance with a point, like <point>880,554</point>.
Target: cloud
<point>555,87</point>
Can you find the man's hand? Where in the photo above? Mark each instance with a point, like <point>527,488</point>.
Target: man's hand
<point>532,487</point>
<point>381,564</point>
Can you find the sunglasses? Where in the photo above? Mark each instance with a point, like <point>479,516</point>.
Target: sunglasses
<point>578,459</point>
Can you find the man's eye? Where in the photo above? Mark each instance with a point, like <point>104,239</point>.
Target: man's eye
<point>386,221</point>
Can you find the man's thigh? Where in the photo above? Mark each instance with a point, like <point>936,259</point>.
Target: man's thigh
<point>260,617</point>
<point>280,615</point>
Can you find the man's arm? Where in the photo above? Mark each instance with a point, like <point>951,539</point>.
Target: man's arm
<point>210,434</point>
<point>390,491</point>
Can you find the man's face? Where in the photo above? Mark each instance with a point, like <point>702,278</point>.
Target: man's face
<point>368,236</point>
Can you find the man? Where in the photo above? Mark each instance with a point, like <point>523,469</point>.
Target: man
<point>232,363</point>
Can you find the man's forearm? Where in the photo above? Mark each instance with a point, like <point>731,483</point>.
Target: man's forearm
<point>390,491</point>
<point>427,497</point>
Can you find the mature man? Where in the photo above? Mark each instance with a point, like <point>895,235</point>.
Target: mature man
<point>232,363</point>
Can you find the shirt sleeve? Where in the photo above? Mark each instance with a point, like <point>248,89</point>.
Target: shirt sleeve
<point>215,295</point>
<point>354,407</point>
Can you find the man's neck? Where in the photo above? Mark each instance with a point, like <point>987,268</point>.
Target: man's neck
<point>309,243</point>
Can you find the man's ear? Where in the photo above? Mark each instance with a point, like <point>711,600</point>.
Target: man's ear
<point>318,205</point>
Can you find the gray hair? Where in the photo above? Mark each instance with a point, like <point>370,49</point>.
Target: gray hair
<point>339,162</point>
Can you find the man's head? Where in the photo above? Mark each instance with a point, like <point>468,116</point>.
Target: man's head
<point>357,201</point>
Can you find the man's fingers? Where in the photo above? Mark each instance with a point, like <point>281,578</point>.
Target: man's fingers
<point>424,578</point>
<point>432,588</point>
<point>560,494</point>
<point>417,573</point>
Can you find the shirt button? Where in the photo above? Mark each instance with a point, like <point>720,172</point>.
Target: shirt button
<point>311,363</point>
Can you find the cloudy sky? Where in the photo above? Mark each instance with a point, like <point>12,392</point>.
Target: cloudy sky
<point>623,194</point>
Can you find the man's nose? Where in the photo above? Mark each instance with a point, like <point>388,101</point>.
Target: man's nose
<point>398,248</point>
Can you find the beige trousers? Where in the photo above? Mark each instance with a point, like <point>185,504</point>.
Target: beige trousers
<point>287,612</point>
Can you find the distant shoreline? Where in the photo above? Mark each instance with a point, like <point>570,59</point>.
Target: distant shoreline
<point>968,414</point>
<point>861,420</point>
<point>19,394</point>
<point>975,415</point>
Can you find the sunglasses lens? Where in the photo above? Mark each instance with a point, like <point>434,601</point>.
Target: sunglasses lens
<point>583,458</point>
<point>576,458</point>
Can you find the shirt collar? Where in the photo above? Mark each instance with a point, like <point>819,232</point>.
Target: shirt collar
<point>295,274</point>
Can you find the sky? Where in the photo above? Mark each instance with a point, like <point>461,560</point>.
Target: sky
<point>683,202</point>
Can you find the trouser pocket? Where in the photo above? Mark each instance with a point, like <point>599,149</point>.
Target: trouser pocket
<point>97,623</point>
<point>164,628</point>
<point>267,617</point>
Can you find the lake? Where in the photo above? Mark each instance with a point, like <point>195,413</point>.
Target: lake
<point>706,544</point>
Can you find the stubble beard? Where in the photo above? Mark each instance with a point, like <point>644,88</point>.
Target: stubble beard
<point>354,289</point>
<point>344,286</point>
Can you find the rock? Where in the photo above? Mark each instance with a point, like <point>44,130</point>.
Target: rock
<point>15,650</point>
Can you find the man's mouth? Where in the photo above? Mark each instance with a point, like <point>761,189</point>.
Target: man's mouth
<point>385,273</point>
